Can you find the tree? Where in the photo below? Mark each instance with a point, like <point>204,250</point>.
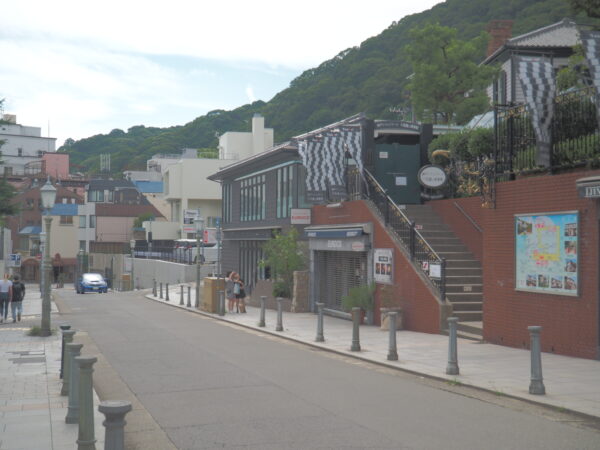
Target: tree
<point>447,84</point>
<point>7,192</point>
<point>283,256</point>
<point>139,220</point>
<point>590,7</point>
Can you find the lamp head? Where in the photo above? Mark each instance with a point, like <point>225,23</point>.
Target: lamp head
<point>48,195</point>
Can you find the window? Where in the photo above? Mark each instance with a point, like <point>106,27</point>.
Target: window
<point>66,220</point>
<point>82,221</point>
<point>24,243</point>
<point>285,182</point>
<point>110,196</point>
<point>82,245</point>
<point>301,179</point>
<point>96,196</point>
<point>92,221</point>
<point>19,152</point>
<point>227,207</point>
<point>252,198</point>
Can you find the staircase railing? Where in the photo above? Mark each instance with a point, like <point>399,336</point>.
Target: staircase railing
<point>422,255</point>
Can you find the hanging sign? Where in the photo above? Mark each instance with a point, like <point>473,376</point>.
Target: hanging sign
<point>432,177</point>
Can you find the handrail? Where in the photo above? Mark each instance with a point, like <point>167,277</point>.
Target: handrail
<point>477,227</point>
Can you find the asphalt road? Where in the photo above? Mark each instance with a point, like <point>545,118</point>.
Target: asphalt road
<point>212,385</point>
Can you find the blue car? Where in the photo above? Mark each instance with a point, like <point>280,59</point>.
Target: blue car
<point>91,282</point>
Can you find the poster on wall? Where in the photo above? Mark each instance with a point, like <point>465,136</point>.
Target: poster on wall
<point>383,265</point>
<point>546,251</point>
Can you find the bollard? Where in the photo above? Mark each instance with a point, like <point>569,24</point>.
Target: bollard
<point>355,333</point>
<point>263,305</point>
<point>393,350</point>
<point>68,337</point>
<point>189,302</point>
<point>320,337</point>
<point>181,295</point>
<point>452,367</point>
<point>161,291</point>
<point>86,439</point>
<point>154,287</point>
<point>279,326</point>
<point>63,328</point>
<point>221,303</point>
<point>114,411</point>
<point>73,350</point>
<point>536,386</point>
<point>197,297</point>
<point>167,292</point>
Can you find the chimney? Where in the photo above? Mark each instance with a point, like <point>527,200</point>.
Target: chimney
<point>258,134</point>
<point>500,31</point>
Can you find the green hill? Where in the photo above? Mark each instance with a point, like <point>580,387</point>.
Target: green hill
<point>369,78</point>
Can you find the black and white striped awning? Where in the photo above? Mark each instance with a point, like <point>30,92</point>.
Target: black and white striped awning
<point>536,75</point>
<point>591,47</point>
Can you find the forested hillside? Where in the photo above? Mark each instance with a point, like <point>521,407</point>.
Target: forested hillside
<point>370,78</point>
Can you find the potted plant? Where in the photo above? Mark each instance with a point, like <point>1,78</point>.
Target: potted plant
<point>388,304</point>
<point>361,297</point>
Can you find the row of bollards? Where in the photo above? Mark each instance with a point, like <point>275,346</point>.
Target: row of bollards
<point>78,384</point>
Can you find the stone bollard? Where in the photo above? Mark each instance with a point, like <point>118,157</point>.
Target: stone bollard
<point>393,350</point>
<point>263,306</point>
<point>189,301</point>
<point>63,328</point>
<point>536,386</point>
<point>154,287</point>
<point>452,367</point>
<point>114,411</point>
<point>279,326</point>
<point>161,291</point>
<point>167,292</point>
<point>181,295</point>
<point>221,303</point>
<point>68,337</point>
<point>73,351</point>
<point>320,337</point>
<point>86,439</point>
<point>355,333</point>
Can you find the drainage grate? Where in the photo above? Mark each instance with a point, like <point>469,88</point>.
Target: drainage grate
<point>30,360</point>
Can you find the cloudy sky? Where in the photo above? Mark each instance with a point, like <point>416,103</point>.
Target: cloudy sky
<point>81,68</point>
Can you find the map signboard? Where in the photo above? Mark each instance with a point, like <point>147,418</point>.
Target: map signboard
<point>546,252</point>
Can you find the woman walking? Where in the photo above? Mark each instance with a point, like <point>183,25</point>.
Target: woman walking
<point>5,296</point>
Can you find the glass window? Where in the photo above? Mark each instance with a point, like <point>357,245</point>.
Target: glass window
<point>285,181</point>
<point>92,221</point>
<point>82,245</point>
<point>252,198</point>
<point>66,220</point>
<point>82,221</point>
<point>96,196</point>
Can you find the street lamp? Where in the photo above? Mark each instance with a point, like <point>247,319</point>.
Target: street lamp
<point>48,195</point>
<point>132,245</point>
<point>199,222</point>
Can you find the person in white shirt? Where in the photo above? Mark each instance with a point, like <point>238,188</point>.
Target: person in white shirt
<point>5,297</point>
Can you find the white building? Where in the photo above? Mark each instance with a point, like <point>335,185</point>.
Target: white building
<point>23,147</point>
<point>241,145</point>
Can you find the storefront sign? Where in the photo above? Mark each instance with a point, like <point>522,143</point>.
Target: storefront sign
<point>432,177</point>
<point>300,217</point>
<point>546,251</point>
<point>384,265</point>
<point>358,246</point>
<point>188,220</point>
<point>334,244</point>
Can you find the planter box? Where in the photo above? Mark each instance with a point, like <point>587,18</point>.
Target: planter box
<point>385,320</point>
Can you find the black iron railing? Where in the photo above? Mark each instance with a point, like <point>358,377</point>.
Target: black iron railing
<point>421,253</point>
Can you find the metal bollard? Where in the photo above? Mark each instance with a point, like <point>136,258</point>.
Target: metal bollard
<point>73,350</point>
<point>114,411</point>
<point>86,439</point>
<point>263,306</point>
<point>536,386</point>
<point>63,328</point>
<point>181,295</point>
<point>452,367</point>
<point>167,292</point>
<point>161,291</point>
<point>68,337</point>
<point>355,333</point>
<point>393,350</point>
<point>320,337</point>
<point>189,302</point>
<point>279,326</point>
<point>154,287</point>
<point>221,303</point>
<point>197,297</point>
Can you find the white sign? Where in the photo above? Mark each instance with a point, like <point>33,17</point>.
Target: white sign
<point>432,176</point>
<point>358,246</point>
<point>383,155</point>
<point>15,260</point>
<point>300,216</point>
<point>334,244</point>
<point>383,262</point>
<point>401,181</point>
<point>188,220</point>
<point>435,270</point>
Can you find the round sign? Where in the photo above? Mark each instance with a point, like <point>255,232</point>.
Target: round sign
<point>358,246</point>
<point>432,176</point>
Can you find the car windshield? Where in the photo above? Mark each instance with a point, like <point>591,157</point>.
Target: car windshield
<point>92,277</point>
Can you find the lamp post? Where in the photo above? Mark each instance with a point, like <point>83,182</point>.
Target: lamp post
<point>132,245</point>
<point>199,222</point>
<point>48,195</point>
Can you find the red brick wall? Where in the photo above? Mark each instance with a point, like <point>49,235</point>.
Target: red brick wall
<point>570,324</point>
<point>462,226</point>
<point>420,308</point>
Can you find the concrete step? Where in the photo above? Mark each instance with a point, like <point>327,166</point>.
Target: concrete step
<point>466,335</point>
<point>464,256</point>
<point>468,316</point>
<point>471,327</point>
<point>437,233</point>
<point>453,248</point>
<point>463,288</point>
<point>463,271</point>
<point>467,306</point>
<point>462,263</point>
<point>464,297</point>
<point>463,279</point>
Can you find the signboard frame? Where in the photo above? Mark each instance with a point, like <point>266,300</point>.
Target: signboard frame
<point>383,265</point>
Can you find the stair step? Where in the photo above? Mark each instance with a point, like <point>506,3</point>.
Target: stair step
<point>468,316</point>
<point>464,297</point>
<point>463,288</point>
<point>462,263</point>
<point>467,306</point>
<point>464,279</point>
<point>466,335</point>
<point>444,248</point>
<point>471,327</point>
<point>463,271</point>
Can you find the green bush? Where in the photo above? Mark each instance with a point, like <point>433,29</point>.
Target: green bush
<point>281,289</point>
<point>360,296</point>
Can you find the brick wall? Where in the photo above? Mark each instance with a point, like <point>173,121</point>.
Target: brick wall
<point>421,309</point>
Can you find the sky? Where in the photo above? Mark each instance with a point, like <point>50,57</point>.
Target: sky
<point>79,68</point>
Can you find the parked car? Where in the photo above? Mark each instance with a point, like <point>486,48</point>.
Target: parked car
<point>91,282</point>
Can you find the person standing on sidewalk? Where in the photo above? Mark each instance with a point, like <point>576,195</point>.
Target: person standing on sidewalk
<point>229,284</point>
<point>18,294</point>
<point>5,297</point>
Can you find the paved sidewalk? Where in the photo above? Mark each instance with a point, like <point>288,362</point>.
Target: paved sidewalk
<point>571,383</point>
<point>32,411</point>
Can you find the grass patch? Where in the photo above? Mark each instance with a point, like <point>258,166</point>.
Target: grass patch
<point>454,382</point>
<point>37,331</point>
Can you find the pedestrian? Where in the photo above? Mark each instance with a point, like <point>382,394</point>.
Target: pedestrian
<point>241,297</point>
<point>229,287</point>
<point>18,294</point>
<point>5,297</point>
<point>237,289</point>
